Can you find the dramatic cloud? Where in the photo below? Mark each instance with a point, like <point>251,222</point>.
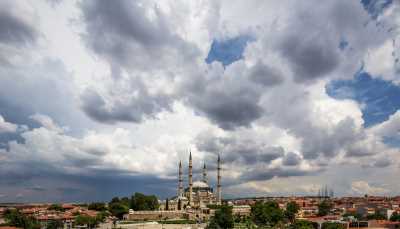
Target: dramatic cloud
<point>113,94</point>
<point>15,28</point>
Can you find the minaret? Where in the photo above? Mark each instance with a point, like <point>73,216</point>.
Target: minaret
<point>219,181</point>
<point>180,186</point>
<point>205,180</point>
<point>190,180</point>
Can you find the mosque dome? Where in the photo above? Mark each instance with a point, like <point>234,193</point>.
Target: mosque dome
<point>200,184</point>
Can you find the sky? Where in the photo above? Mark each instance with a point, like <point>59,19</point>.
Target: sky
<point>104,98</point>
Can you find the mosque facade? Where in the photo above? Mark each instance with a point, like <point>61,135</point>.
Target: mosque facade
<point>197,194</point>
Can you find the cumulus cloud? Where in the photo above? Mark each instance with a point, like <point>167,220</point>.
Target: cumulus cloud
<point>363,187</point>
<point>16,29</point>
<point>6,127</point>
<point>47,122</point>
<point>291,159</point>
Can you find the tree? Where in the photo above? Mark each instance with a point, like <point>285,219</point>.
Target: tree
<point>90,221</point>
<point>15,218</point>
<point>351,214</point>
<point>329,225</point>
<point>101,216</point>
<point>167,204</point>
<point>118,209</point>
<point>267,213</point>
<point>324,208</point>
<point>376,215</point>
<point>291,210</point>
<point>141,202</point>
<point>223,218</point>
<point>125,201</point>
<point>54,224</point>
<point>302,224</point>
<point>395,217</point>
<point>97,206</point>
<point>55,207</point>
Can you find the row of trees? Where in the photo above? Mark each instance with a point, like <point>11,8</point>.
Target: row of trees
<point>14,217</point>
<point>269,215</point>
<point>138,202</point>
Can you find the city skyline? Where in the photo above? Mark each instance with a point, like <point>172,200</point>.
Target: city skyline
<point>104,98</point>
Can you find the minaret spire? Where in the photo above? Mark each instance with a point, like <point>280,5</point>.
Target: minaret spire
<point>190,179</point>
<point>205,180</point>
<point>219,181</point>
<point>180,185</point>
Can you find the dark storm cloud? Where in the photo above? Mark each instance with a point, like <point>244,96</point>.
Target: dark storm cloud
<point>123,34</point>
<point>236,150</point>
<point>230,110</point>
<point>230,99</point>
<point>37,188</point>
<point>265,75</point>
<point>267,174</point>
<point>50,183</point>
<point>291,159</point>
<point>382,162</point>
<point>14,30</point>
<point>328,142</point>
<point>45,87</point>
<point>310,57</point>
<point>133,110</point>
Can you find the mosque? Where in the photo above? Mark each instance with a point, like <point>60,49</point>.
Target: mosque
<point>198,194</point>
<point>191,202</point>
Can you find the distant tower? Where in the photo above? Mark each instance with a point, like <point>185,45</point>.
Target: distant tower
<point>205,180</point>
<point>190,180</point>
<point>219,181</point>
<point>180,186</point>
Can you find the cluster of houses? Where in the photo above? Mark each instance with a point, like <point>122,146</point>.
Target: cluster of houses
<point>353,212</point>
<point>44,214</point>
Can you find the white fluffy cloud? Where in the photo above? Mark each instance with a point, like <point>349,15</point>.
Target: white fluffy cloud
<point>7,127</point>
<point>362,187</point>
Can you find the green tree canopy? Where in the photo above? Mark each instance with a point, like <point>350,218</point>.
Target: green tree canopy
<point>377,216</point>
<point>267,213</point>
<point>55,207</point>
<point>118,209</point>
<point>15,218</point>
<point>223,218</point>
<point>302,224</point>
<point>141,202</point>
<point>90,221</point>
<point>395,217</point>
<point>291,210</point>
<point>97,206</point>
<point>54,224</point>
<point>324,208</point>
<point>353,214</point>
<point>329,225</point>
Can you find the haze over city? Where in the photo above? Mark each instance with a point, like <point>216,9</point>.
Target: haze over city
<point>104,98</point>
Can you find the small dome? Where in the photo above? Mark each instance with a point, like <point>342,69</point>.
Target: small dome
<point>200,184</point>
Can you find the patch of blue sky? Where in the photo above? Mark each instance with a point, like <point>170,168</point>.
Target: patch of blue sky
<point>392,141</point>
<point>379,98</point>
<point>375,7</point>
<point>229,50</point>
